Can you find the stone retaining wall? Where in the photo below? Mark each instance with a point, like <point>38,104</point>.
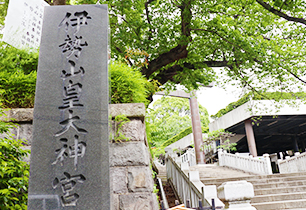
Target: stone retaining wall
<point>130,172</point>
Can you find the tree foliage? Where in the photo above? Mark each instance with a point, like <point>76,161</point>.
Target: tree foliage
<point>259,43</point>
<point>262,96</point>
<point>168,117</point>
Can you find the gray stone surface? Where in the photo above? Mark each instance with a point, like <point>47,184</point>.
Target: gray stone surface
<point>140,179</point>
<point>129,110</point>
<point>116,202</point>
<point>119,179</point>
<point>133,130</point>
<point>21,131</point>
<point>138,201</point>
<point>19,115</point>
<point>129,154</point>
<point>70,148</point>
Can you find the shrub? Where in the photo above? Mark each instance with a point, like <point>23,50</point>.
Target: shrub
<point>13,60</point>
<point>17,76</point>
<point>14,172</point>
<point>17,89</point>
<point>255,96</point>
<point>181,135</point>
<point>161,150</point>
<point>128,85</point>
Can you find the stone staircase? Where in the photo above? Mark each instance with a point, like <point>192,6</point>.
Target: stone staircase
<point>272,192</point>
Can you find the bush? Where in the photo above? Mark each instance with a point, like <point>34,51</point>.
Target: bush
<point>14,172</point>
<point>263,96</point>
<point>17,76</point>
<point>161,150</point>
<point>13,60</point>
<point>128,85</point>
<point>17,89</point>
<point>181,135</point>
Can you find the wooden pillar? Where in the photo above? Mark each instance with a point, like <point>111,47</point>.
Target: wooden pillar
<point>196,130</point>
<point>250,137</point>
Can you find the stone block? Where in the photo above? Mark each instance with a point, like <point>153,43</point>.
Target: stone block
<point>119,179</point>
<point>129,110</point>
<point>19,115</point>
<point>236,191</point>
<point>140,179</point>
<point>115,202</point>
<point>138,201</point>
<point>25,132</point>
<point>133,130</point>
<point>129,154</point>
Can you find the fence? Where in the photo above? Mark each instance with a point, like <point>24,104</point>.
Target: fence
<point>190,189</point>
<point>189,157</point>
<point>183,186</point>
<point>257,165</point>
<point>293,164</point>
<point>201,207</point>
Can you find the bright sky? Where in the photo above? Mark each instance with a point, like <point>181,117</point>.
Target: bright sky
<point>215,98</point>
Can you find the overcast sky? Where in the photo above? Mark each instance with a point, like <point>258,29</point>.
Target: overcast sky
<point>215,98</point>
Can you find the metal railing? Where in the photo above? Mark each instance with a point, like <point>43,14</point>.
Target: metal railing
<point>183,186</point>
<point>294,164</point>
<point>257,165</point>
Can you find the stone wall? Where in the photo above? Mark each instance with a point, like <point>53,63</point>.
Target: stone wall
<point>131,176</point>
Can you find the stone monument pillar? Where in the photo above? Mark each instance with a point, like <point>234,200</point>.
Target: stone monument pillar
<point>70,149</point>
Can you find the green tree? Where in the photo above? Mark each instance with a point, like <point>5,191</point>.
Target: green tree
<point>168,117</point>
<point>259,43</point>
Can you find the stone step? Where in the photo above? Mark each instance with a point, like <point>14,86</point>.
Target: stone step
<point>277,179</point>
<point>280,184</point>
<point>257,180</point>
<point>280,190</point>
<point>279,197</point>
<point>280,205</point>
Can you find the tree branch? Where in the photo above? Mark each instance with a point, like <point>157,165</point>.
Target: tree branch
<point>121,52</point>
<point>178,52</point>
<point>148,18</point>
<point>168,74</point>
<point>164,59</point>
<point>280,14</point>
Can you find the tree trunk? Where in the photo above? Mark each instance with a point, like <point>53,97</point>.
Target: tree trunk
<point>59,2</point>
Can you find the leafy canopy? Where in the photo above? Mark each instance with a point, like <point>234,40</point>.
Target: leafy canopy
<point>259,43</point>
<point>168,117</point>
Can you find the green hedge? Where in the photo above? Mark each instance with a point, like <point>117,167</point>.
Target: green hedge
<point>128,85</point>
<point>17,90</point>
<point>17,85</point>
<point>181,135</point>
<point>264,96</point>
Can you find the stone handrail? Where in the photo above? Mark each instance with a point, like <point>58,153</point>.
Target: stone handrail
<point>255,165</point>
<point>189,157</point>
<point>190,187</point>
<point>293,164</point>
